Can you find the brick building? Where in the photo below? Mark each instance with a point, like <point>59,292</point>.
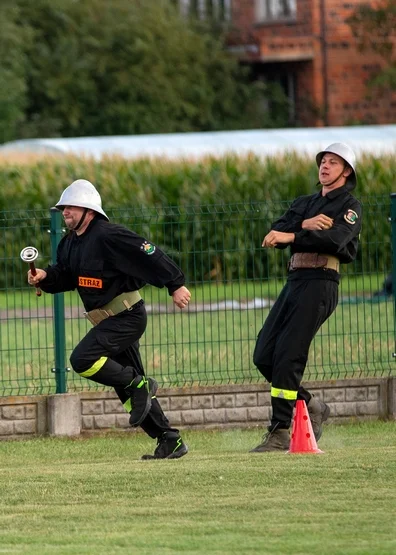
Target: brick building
<point>308,47</point>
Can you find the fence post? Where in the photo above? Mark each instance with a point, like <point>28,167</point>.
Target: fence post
<point>59,309</point>
<point>393,239</point>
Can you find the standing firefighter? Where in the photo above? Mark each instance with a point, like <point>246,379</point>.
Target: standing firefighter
<point>322,231</point>
<point>108,264</point>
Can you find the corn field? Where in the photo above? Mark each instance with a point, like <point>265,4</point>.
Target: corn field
<point>208,215</point>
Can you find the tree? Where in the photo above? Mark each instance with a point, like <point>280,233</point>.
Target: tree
<point>126,67</point>
<point>374,26</point>
<point>12,72</point>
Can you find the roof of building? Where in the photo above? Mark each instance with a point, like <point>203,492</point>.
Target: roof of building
<point>370,139</point>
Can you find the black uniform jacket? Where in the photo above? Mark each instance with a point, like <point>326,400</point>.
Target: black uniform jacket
<point>340,240</point>
<point>107,260</point>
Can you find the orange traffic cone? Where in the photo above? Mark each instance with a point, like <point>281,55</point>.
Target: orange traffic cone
<point>302,438</point>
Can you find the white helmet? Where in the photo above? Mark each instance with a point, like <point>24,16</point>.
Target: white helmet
<point>345,152</point>
<point>81,193</point>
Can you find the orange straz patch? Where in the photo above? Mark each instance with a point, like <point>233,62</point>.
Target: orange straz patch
<point>90,282</point>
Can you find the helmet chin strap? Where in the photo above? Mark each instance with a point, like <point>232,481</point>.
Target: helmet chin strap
<point>80,223</point>
<point>334,180</point>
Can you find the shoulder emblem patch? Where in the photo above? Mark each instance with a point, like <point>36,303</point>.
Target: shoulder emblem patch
<point>350,216</point>
<point>148,248</point>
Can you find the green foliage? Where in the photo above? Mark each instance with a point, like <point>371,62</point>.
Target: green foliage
<point>37,184</point>
<point>111,68</point>
<point>13,69</point>
<point>374,27</point>
<point>149,183</point>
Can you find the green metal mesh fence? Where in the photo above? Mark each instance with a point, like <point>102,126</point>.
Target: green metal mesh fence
<point>233,281</point>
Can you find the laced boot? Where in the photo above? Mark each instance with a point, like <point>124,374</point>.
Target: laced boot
<point>318,413</point>
<point>276,440</point>
<point>169,446</point>
<point>140,391</point>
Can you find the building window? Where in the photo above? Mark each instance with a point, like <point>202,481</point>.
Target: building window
<point>275,10</point>
<point>219,10</point>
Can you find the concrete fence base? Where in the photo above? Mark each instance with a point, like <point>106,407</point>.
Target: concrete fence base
<point>225,406</point>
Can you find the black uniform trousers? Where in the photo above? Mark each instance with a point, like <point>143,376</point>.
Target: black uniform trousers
<point>113,346</point>
<point>283,343</point>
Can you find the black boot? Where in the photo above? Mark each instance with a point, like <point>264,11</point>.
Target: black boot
<point>169,446</point>
<point>276,440</point>
<point>318,413</point>
<point>140,391</point>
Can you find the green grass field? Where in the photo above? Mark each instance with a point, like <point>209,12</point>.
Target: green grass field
<point>95,495</point>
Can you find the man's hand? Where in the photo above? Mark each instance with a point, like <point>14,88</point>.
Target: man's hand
<point>318,223</point>
<point>181,297</point>
<point>40,275</point>
<point>274,238</point>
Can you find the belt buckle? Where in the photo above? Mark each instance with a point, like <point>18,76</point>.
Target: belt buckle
<point>90,318</point>
<point>96,316</point>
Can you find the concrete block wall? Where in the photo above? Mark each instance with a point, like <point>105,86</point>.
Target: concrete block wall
<point>23,416</point>
<point>221,407</point>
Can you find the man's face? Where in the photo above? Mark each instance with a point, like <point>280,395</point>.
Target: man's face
<point>332,166</point>
<point>72,215</point>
